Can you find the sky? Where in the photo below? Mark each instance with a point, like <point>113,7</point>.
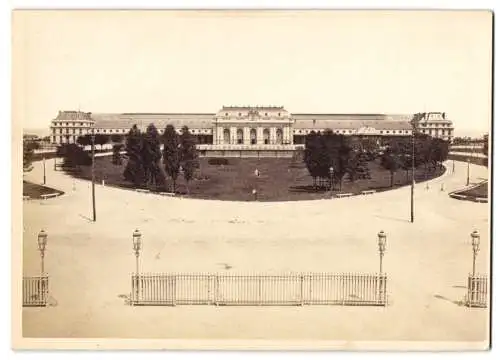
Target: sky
<point>306,61</point>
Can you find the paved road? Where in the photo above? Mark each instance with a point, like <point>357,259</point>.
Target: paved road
<point>90,263</point>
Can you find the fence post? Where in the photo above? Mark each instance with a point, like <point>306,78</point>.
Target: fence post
<point>302,290</point>
<point>260,290</point>
<point>216,290</point>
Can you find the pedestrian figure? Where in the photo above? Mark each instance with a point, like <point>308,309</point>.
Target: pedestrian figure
<point>257,173</point>
<point>254,192</point>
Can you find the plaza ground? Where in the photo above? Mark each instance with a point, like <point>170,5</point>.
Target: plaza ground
<point>89,264</point>
<point>279,179</point>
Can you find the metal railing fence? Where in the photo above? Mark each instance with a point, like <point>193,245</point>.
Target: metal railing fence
<point>259,290</point>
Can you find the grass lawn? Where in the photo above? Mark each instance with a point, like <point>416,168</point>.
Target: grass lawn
<point>35,191</point>
<point>480,191</point>
<point>279,180</point>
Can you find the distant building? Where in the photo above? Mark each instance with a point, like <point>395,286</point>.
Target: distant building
<point>247,128</point>
<point>436,125</point>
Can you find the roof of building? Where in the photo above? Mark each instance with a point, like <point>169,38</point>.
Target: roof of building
<point>161,120</point>
<point>268,107</point>
<point>352,124</point>
<point>205,120</point>
<point>73,115</point>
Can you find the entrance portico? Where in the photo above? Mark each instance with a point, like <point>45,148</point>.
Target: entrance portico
<point>253,126</point>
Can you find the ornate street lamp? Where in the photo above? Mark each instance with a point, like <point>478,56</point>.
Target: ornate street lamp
<point>44,177</point>
<point>331,181</point>
<point>475,249</point>
<point>42,244</point>
<point>382,243</point>
<point>468,171</point>
<point>137,242</point>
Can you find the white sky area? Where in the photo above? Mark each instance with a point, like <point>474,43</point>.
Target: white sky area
<point>313,62</point>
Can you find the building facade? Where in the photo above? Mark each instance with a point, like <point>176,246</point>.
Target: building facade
<point>436,125</point>
<point>248,128</point>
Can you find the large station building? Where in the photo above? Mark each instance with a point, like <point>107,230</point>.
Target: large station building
<point>248,128</point>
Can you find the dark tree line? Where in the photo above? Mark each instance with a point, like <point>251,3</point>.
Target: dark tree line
<point>150,166</point>
<point>349,156</point>
<point>29,147</point>
<point>429,152</point>
<point>329,157</point>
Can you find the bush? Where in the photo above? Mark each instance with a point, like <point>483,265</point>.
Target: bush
<point>73,155</point>
<point>218,161</point>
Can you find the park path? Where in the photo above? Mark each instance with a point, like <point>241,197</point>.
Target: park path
<point>90,263</point>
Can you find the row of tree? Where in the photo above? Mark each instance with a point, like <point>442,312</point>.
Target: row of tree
<point>331,157</point>
<point>99,139</point>
<point>29,147</point>
<point>149,165</point>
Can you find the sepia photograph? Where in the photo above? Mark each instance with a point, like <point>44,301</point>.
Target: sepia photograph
<point>251,179</point>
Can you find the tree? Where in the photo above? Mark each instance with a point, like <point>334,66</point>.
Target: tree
<point>117,138</point>
<point>134,171</point>
<point>151,156</point>
<point>29,148</point>
<point>485,149</point>
<point>358,166</point>
<point>84,140</point>
<point>341,158</point>
<point>391,161</point>
<point>117,157</point>
<point>171,154</point>
<point>101,139</point>
<point>439,151</point>
<point>73,156</point>
<point>312,155</point>
<point>188,155</point>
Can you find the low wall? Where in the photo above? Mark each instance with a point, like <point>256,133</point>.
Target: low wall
<point>247,153</point>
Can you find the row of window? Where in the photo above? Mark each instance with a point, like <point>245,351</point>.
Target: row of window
<point>265,114</point>
<point>435,125</point>
<point>71,124</point>
<point>443,132</point>
<point>305,132</point>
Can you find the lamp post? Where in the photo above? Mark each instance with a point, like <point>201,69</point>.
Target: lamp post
<point>331,181</point>
<point>44,177</point>
<point>42,243</point>
<point>475,249</point>
<point>92,137</point>
<point>136,242</point>
<point>382,242</point>
<point>468,170</point>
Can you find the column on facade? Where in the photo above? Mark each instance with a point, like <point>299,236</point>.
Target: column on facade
<point>272,135</point>
<point>246,135</point>
<point>260,135</point>
<point>286,135</point>
<point>215,135</point>
<point>232,135</point>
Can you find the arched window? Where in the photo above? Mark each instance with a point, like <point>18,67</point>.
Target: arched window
<point>279,136</point>
<point>227,136</point>
<point>253,136</point>
<point>239,136</point>
<point>266,136</point>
